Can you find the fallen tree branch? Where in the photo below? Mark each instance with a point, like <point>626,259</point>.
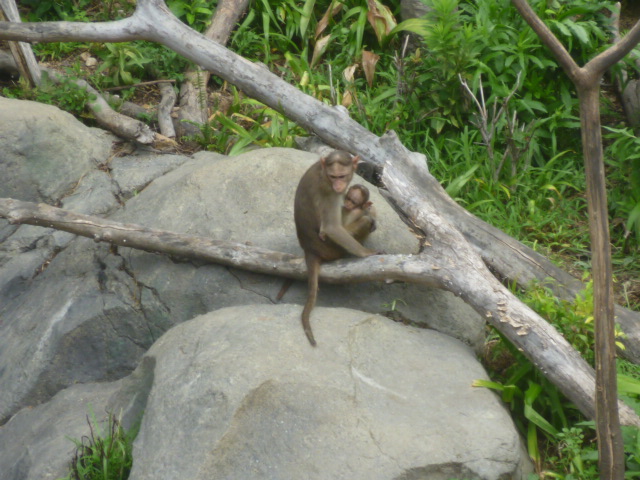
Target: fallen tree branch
<point>22,53</point>
<point>165,122</point>
<point>123,126</point>
<point>440,266</point>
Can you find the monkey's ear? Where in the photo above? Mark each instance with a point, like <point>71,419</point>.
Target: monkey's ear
<point>355,160</point>
<point>323,161</point>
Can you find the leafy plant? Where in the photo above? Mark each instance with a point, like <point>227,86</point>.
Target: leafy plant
<point>246,124</point>
<point>623,154</point>
<point>71,10</point>
<point>121,62</point>
<point>197,13</point>
<point>64,94</point>
<point>537,406</point>
<point>105,456</point>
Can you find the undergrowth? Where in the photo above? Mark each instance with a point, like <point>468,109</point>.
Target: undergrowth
<point>102,455</point>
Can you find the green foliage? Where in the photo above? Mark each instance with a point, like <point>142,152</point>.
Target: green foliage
<point>580,26</point>
<point>623,155</point>
<point>246,125</point>
<point>123,63</point>
<point>561,443</point>
<point>101,456</point>
<point>42,10</point>
<point>343,31</point>
<point>537,406</point>
<point>75,10</point>
<point>197,13</point>
<point>65,95</point>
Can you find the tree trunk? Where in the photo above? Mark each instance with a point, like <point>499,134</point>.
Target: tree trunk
<point>587,82</point>
<point>610,444</point>
<point>194,110</point>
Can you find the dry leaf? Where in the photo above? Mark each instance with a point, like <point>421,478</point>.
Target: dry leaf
<point>381,19</point>
<point>347,99</point>
<point>333,9</point>
<point>349,73</point>
<point>369,61</point>
<point>319,49</point>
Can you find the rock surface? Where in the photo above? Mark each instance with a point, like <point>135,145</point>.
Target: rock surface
<point>74,313</point>
<point>237,393</point>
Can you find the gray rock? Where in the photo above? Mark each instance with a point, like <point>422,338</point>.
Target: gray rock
<point>45,150</point>
<point>237,393</point>
<point>133,173</point>
<point>93,311</point>
<point>413,9</point>
<point>37,443</point>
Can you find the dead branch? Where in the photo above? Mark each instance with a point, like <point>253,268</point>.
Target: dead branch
<point>123,126</point>
<point>165,122</point>
<point>22,53</point>
<point>439,267</point>
<point>194,109</point>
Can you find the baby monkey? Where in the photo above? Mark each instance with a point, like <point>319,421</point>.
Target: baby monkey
<point>358,213</point>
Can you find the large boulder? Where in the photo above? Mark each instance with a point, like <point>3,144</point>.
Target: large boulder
<point>239,393</point>
<point>74,311</point>
<point>45,150</point>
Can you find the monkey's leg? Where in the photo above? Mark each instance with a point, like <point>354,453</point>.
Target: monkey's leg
<point>313,269</point>
<point>361,228</point>
<point>285,287</point>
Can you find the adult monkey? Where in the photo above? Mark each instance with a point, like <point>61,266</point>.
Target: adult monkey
<point>318,206</point>
<point>358,218</point>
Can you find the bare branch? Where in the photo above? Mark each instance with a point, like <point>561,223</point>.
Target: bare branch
<point>121,125</point>
<point>603,62</point>
<point>548,38</point>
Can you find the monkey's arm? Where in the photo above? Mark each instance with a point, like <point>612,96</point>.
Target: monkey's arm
<point>341,236</point>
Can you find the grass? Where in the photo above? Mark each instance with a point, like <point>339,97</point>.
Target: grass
<point>103,455</point>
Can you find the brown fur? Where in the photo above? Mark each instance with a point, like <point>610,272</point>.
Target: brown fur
<point>318,207</point>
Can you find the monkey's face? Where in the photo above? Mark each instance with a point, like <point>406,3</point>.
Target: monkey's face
<point>339,176</point>
<point>354,199</point>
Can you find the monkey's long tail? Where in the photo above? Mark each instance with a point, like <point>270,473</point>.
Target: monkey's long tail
<point>313,269</point>
<point>285,287</point>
